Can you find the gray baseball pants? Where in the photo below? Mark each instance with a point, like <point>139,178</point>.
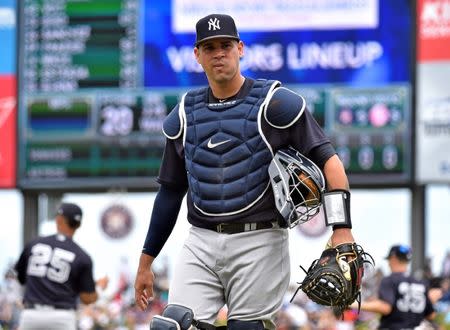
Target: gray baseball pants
<point>249,272</point>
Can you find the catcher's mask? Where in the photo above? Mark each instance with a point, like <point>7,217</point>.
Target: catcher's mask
<point>297,185</point>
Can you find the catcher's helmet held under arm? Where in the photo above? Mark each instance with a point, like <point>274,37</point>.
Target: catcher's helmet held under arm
<point>297,184</point>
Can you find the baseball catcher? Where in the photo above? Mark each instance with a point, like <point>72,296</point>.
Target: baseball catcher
<point>335,278</point>
<point>219,153</point>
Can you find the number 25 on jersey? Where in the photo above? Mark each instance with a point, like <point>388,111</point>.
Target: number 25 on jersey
<point>55,263</point>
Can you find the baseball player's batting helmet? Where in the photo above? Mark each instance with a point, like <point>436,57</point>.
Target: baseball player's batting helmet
<point>298,185</point>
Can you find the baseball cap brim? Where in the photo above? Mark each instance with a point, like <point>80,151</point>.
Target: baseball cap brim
<point>215,37</point>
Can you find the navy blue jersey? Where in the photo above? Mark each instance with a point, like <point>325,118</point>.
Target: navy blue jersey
<point>305,135</point>
<point>54,270</point>
<point>409,300</point>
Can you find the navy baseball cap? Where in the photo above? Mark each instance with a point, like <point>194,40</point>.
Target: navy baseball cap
<point>402,252</point>
<point>215,26</point>
<point>70,211</point>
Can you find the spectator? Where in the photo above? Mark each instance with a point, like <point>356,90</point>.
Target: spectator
<point>10,297</point>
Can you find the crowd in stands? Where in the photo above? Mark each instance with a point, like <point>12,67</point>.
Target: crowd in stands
<point>118,311</point>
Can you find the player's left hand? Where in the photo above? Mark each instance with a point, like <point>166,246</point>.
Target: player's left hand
<point>334,281</point>
<point>340,236</point>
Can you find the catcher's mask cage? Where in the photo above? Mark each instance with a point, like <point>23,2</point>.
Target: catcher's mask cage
<point>297,184</point>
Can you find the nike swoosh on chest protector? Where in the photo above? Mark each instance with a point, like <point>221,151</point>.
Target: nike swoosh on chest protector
<point>213,145</point>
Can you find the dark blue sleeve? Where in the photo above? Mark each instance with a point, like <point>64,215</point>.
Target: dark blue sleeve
<point>321,154</point>
<point>306,134</point>
<point>86,282</point>
<point>21,266</point>
<point>164,216</point>
<point>386,292</point>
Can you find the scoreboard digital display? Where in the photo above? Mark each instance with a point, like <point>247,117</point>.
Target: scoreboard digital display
<point>371,132</point>
<point>70,45</point>
<point>85,122</point>
<point>369,127</point>
<point>76,140</point>
<point>98,77</point>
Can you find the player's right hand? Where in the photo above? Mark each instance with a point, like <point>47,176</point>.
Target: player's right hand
<point>143,285</point>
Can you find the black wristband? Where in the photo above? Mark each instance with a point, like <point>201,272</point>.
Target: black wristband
<point>336,205</point>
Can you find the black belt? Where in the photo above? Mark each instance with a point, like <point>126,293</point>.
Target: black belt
<point>28,305</point>
<point>234,228</point>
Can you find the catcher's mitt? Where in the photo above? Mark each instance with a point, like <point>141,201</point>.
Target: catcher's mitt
<point>335,278</point>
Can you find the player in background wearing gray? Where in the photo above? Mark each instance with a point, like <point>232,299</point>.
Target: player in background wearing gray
<point>220,141</point>
<point>56,271</point>
<point>403,301</point>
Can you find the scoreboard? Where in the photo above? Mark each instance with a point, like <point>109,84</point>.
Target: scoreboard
<point>369,127</point>
<point>95,140</point>
<point>108,139</point>
<point>98,77</point>
<point>371,132</point>
<point>85,121</point>
<point>68,45</point>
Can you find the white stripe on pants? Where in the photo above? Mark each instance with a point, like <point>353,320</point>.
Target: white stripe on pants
<point>248,271</point>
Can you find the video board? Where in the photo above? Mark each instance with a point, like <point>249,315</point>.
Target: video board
<point>86,121</point>
<point>98,77</point>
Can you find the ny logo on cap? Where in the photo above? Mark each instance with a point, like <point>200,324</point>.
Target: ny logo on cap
<point>213,24</point>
